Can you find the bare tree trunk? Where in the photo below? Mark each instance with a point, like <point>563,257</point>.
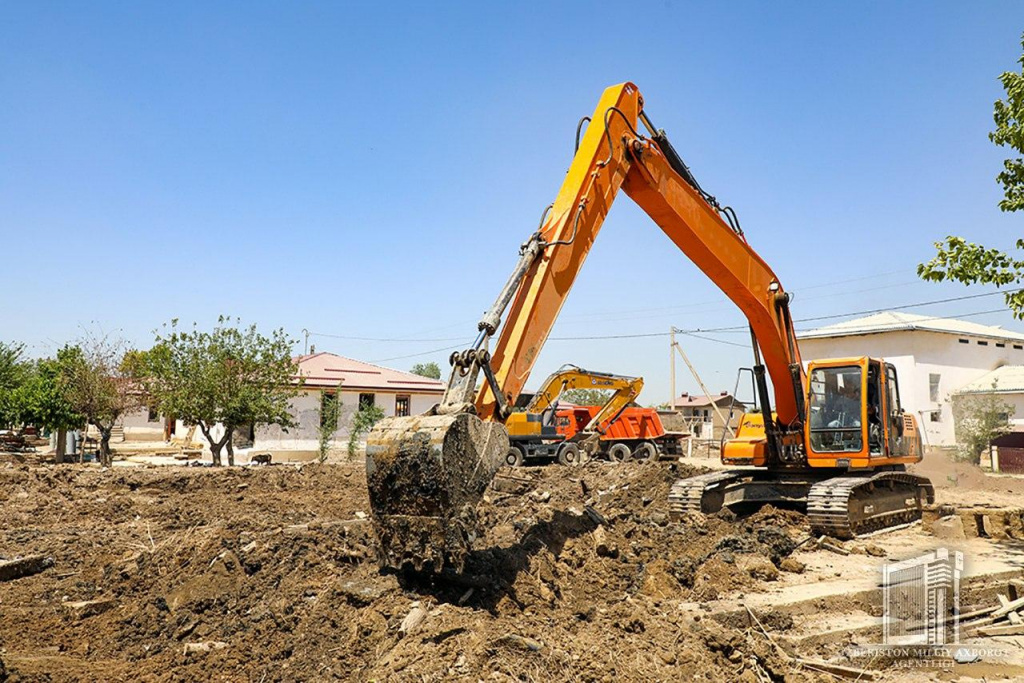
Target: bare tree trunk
<point>230,434</point>
<point>215,446</point>
<point>62,446</point>
<point>105,458</point>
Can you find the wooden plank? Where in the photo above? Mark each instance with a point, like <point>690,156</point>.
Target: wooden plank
<point>1011,630</point>
<point>836,670</point>
<point>1011,606</point>
<point>1014,618</point>
<point>978,613</point>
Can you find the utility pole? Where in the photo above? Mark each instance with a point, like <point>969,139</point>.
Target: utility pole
<point>672,363</point>
<point>305,345</point>
<point>693,371</point>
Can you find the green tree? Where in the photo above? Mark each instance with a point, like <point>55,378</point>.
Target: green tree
<point>330,410</point>
<point>42,400</point>
<point>14,369</point>
<point>97,386</point>
<point>12,375</point>
<point>228,376</point>
<point>430,370</point>
<point>978,418</point>
<point>1009,132</point>
<point>957,260</point>
<point>585,397</point>
<point>960,261</point>
<point>368,415</point>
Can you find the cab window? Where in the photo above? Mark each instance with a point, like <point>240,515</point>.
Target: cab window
<point>835,405</point>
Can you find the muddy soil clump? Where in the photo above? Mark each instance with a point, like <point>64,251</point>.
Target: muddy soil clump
<point>269,574</point>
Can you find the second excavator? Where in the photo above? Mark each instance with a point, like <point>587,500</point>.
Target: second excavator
<point>837,442</point>
<point>533,433</point>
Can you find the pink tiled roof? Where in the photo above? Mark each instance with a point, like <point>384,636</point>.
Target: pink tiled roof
<point>688,401</point>
<point>330,370</point>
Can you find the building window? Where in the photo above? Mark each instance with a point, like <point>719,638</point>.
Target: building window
<point>1018,347</point>
<point>328,406</point>
<point>1000,345</point>
<point>401,406</point>
<point>936,416</point>
<point>366,401</point>
<point>982,343</point>
<point>933,387</point>
<point>706,413</point>
<point>965,341</point>
<point>154,415</point>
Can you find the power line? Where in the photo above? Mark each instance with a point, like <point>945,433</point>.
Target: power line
<point>616,315</point>
<point>384,339</point>
<point>887,308</point>
<point>698,331</point>
<point>423,353</point>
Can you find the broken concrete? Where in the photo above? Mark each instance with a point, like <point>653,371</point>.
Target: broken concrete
<point>24,566</point>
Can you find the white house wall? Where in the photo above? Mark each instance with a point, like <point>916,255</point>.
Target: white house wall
<point>306,411</point>
<point>138,427</point>
<point>916,354</point>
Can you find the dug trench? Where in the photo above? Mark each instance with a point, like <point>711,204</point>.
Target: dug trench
<point>268,574</point>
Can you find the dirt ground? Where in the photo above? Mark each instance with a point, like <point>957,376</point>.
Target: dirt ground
<point>267,574</point>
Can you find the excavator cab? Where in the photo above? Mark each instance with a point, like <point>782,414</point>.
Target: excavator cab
<point>854,416</point>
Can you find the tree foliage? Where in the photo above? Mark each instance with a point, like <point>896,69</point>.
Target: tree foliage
<point>431,370</point>
<point>585,397</point>
<point>363,421</point>
<point>42,400</point>
<point>13,367</point>
<point>977,420</point>
<point>229,376</point>
<point>98,385</point>
<point>958,260</point>
<point>1009,132</point>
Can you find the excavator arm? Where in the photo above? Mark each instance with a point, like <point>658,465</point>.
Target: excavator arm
<point>426,473</point>
<point>611,156</point>
<point>625,389</point>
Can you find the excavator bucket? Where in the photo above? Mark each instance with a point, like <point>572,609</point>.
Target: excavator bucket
<point>425,476</point>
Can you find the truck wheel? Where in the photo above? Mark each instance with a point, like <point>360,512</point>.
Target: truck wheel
<point>645,451</point>
<point>569,454</point>
<point>619,452</point>
<point>514,457</point>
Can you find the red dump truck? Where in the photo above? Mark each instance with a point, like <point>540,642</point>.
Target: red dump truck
<point>636,433</point>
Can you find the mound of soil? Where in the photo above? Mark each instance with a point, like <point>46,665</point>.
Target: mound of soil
<point>268,574</point>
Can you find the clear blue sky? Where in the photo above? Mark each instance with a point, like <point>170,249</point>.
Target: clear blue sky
<point>368,170</point>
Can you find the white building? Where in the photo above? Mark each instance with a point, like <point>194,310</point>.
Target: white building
<point>934,357</point>
<point>329,377</point>
<point>325,377</point>
<point>1007,384</point>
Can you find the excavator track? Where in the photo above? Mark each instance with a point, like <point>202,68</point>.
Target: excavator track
<point>688,495</point>
<point>842,507</point>
<point>848,506</point>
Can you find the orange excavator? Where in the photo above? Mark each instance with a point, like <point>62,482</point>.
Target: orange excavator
<point>837,442</point>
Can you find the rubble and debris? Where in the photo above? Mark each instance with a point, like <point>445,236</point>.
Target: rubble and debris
<point>24,566</point>
<point>82,609</point>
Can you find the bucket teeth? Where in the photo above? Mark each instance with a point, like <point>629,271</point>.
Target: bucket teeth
<point>425,476</point>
